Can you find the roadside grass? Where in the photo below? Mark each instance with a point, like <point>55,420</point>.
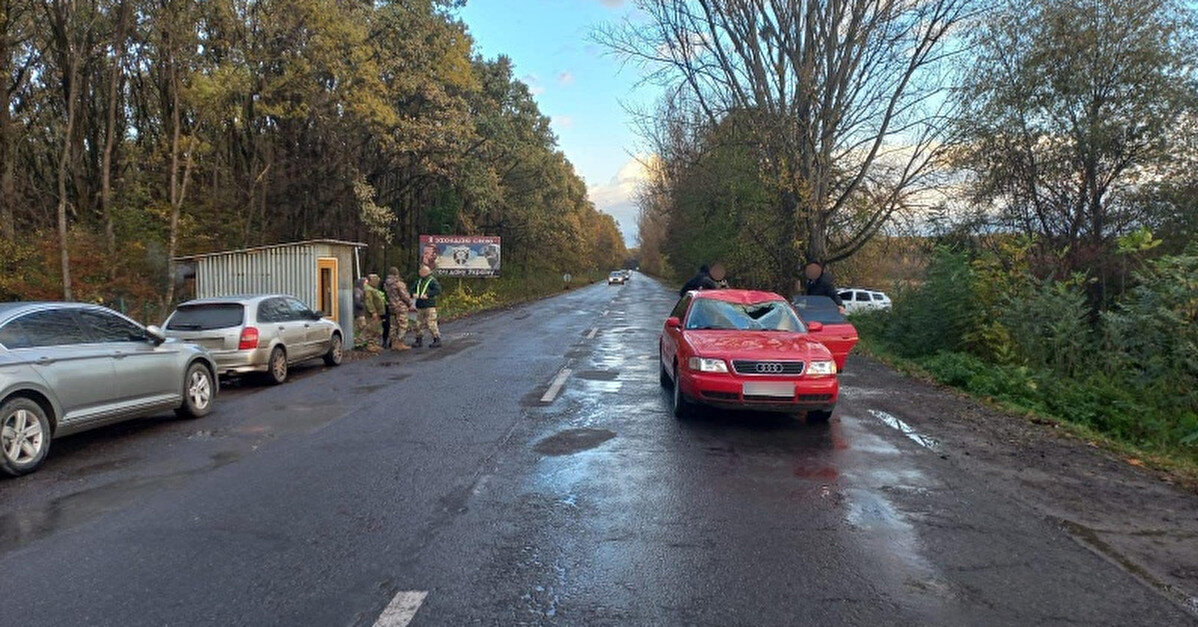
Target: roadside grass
<point>463,297</point>
<point>1098,411</point>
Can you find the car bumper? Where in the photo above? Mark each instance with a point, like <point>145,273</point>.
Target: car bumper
<point>726,391</point>
<point>241,362</point>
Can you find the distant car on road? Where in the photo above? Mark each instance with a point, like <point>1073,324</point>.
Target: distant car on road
<point>835,331</point>
<point>857,299</point>
<point>741,349</point>
<point>261,333</point>
<point>617,277</point>
<point>70,367</point>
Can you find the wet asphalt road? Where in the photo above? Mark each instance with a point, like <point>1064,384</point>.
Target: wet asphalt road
<point>318,501</point>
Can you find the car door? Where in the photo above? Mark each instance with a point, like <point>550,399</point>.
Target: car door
<point>146,373</point>
<point>274,317</point>
<point>60,351</point>
<point>670,337</point>
<point>316,335</point>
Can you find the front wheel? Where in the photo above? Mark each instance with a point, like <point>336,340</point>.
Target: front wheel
<point>336,351</point>
<point>663,375</point>
<point>682,407</point>
<point>24,436</point>
<point>276,368</point>
<point>199,390</point>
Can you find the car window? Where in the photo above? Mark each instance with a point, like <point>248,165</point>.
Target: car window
<point>775,315</point>
<point>818,309</point>
<point>54,327</point>
<point>846,295</point>
<point>273,310</point>
<point>680,308</point>
<point>206,317</point>
<point>879,296</point>
<point>106,327</point>
<point>862,296</point>
<point>297,310</point>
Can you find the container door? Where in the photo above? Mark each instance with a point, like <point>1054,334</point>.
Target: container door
<point>326,287</point>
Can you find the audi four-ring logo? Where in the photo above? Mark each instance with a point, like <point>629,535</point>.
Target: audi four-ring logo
<point>769,368</point>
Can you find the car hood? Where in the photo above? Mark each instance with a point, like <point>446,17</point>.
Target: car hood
<point>759,345</point>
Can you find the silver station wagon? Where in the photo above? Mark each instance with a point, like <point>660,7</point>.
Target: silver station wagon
<point>69,367</point>
<point>264,333</point>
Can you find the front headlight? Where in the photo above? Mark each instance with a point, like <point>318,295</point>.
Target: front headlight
<point>821,367</point>
<point>703,364</point>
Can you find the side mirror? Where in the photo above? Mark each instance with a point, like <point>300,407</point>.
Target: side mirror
<point>155,334</point>
<point>673,323</point>
<point>317,315</point>
<point>815,327</point>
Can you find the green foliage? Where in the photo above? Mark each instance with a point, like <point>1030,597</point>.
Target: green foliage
<point>1029,343</point>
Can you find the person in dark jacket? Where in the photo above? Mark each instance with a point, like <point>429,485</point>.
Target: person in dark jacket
<point>819,283</point>
<point>425,291</point>
<point>701,281</point>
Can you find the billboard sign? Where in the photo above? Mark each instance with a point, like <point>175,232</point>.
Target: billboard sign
<point>461,255</point>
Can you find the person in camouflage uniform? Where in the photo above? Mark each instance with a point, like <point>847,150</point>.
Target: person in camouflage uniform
<point>426,291</point>
<point>376,307</point>
<point>400,302</point>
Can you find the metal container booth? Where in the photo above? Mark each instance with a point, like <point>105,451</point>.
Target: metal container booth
<point>318,272</point>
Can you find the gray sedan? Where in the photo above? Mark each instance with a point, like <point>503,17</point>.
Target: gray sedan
<point>69,367</point>
<point>263,333</point>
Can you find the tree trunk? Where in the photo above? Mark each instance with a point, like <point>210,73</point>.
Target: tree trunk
<point>114,83</point>
<point>64,161</point>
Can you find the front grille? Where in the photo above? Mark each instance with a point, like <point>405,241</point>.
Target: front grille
<point>724,396</point>
<point>815,397</point>
<point>768,368</point>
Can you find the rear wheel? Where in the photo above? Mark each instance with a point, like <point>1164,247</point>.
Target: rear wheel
<point>818,417</point>
<point>199,390</point>
<point>336,351</point>
<point>24,436</point>
<point>682,407</point>
<point>276,368</point>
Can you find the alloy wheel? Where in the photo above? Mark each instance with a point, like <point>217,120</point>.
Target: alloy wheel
<point>21,437</point>
<point>199,390</point>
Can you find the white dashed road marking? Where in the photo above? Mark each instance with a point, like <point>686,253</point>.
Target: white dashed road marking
<point>400,611</point>
<point>556,386</point>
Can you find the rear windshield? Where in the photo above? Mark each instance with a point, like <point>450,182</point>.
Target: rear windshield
<point>206,317</point>
<point>818,309</point>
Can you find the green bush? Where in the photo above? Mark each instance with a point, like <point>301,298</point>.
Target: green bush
<point>985,325</point>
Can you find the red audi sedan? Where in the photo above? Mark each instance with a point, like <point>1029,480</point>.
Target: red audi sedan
<point>742,349</point>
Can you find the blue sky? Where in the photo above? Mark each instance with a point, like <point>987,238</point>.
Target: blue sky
<point>576,83</point>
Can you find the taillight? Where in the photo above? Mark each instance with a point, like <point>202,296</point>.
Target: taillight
<point>249,339</point>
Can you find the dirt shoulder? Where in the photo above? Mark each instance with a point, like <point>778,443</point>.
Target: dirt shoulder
<point>1140,519</point>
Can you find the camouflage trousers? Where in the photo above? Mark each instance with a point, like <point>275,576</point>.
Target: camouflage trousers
<point>370,332</point>
<point>427,319</point>
<point>399,326</point>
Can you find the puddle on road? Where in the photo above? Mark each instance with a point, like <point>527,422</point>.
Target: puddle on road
<point>573,441</point>
<point>906,430</point>
<point>367,389</point>
<point>598,375</point>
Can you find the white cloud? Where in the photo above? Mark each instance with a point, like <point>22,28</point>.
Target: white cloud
<point>565,78</point>
<point>562,121</point>
<point>534,84</point>
<point>618,196</point>
<point>613,4</point>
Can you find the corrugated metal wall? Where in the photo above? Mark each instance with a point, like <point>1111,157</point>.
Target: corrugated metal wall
<point>287,270</point>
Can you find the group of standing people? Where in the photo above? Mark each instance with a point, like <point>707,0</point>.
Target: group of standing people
<point>392,305</point>
<point>817,282</point>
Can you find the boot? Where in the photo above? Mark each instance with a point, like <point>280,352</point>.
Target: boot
<point>436,342</point>
<point>399,347</point>
<point>419,341</point>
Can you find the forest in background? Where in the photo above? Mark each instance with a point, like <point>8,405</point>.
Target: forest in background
<point>1020,175</point>
<point>135,131</point>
